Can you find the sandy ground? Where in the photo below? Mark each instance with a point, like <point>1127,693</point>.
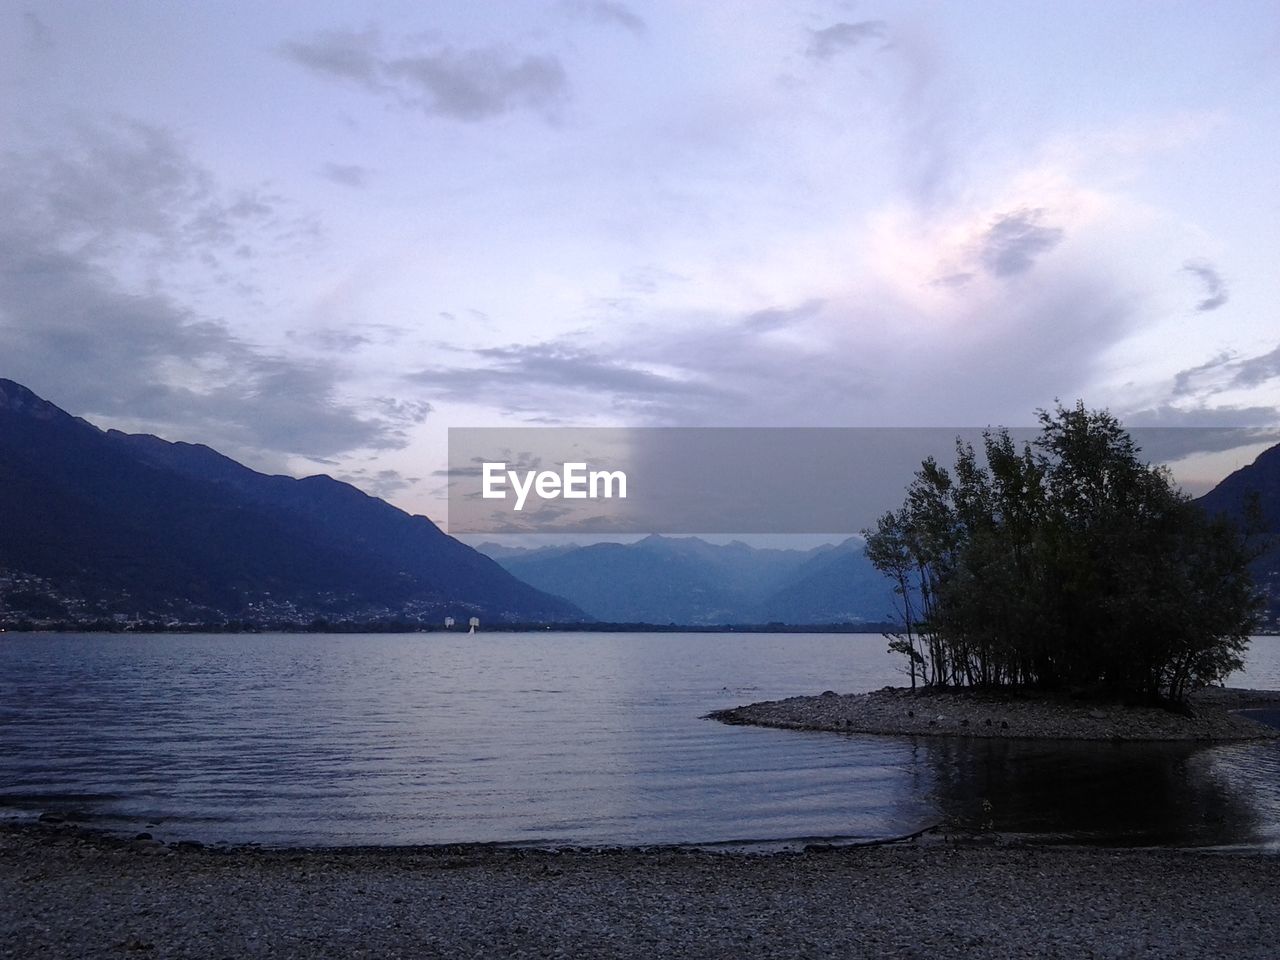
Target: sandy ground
<point>67,895</point>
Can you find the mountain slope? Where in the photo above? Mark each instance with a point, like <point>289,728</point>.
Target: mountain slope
<point>118,523</point>
<point>1231,498</point>
<point>687,580</point>
<point>835,586</point>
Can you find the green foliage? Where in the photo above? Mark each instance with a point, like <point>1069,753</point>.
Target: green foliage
<point>1067,564</point>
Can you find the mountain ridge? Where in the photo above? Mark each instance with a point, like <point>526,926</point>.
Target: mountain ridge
<point>113,520</point>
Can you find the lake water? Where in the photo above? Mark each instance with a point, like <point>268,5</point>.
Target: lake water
<point>558,738</point>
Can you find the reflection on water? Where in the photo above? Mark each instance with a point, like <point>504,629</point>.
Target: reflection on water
<point>1153,793</point>
<point>571,738</point>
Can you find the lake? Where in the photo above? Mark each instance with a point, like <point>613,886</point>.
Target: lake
<point>558,738</point>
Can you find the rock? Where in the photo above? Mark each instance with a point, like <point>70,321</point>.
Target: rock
<point>50,817</point>
<point>1097,715</point>
<point>829,693</point>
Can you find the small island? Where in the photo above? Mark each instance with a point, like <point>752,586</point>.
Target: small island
<point>1212,714</point>
<point>1065,590</point>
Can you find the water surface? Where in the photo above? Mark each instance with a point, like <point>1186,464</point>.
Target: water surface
<point>558,738</point>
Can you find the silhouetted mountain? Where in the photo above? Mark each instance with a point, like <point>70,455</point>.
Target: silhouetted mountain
<point>110,523</point>
<point>1231,497</point>
<point>1262,477</point>
<point>687,580</point>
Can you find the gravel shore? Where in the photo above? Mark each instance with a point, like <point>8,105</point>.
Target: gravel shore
<point>896,710</point>
<point>66,895</point>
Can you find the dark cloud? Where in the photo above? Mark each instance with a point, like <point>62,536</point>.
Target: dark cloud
<point>1184,381</point>
<point>776,318</point>
<point>405,411</point>
<point>1227,371</point>
<point>526,378</point>
<point>117,187</point>
<point>1013,242</point>
<point>334,341</point>
<point>609,13</point>
<point>340,54</point>
<point>122,199</point>
<point>839,37</point>
<point>1166,433</point>
<point>346,174</point>
<point>1253,371</point>
<point>1215,288</point>
<point>478,84</point>
<point>38,36</point>
<point>469,85</point>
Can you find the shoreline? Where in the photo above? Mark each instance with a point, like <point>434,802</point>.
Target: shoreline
<point>68,895</point>
<point>900,711</point>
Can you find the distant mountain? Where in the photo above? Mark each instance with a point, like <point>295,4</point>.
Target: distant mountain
<point>834,586</point>
<point>1230,497</point>
<point>96,524</point>
<point>687,580</point>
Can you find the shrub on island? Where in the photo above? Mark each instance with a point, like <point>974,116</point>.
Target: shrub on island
<point>1066,564</point>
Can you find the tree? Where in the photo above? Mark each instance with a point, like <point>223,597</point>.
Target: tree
<point>1067,564</point>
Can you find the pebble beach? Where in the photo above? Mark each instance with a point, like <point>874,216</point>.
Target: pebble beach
<point>71,895</point>
<point>899,711</point>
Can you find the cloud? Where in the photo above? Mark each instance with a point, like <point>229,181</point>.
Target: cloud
<point>96,219</point>
<point>1167,432</point>
<point>340,54</point>
<point>406,411</point>
<point>608,13</point>
<point>346,174</point>
<point>1227,371</point>
<point>468,85</point>
<point>524,377</point>
<point>776,318</point>
<point>1013,242</point>
<point>841,37</point>
<point>122,188</point>
<point>37,35</point>
<point>384,484</point>
<point>1215,287</point>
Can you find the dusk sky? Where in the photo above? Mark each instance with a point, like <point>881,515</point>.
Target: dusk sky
<point>316,235</point>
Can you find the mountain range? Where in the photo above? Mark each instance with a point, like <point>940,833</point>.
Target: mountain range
<point>689,581</point>
<point>100,525</point>
<point>104,524</point>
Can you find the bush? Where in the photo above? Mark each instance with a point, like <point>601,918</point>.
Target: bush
<point>1067,564</point>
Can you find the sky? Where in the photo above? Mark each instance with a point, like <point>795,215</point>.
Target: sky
<point>315,236</point>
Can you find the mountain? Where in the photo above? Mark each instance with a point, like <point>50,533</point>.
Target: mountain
<point>1262,477</point>
<point>1231,497</point>
<point>100,523</point>
<point>834,586</point>
<point>687,580</point>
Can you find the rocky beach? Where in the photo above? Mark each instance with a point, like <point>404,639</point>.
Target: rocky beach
<point>1214,715</point>
<point>67,894</point>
